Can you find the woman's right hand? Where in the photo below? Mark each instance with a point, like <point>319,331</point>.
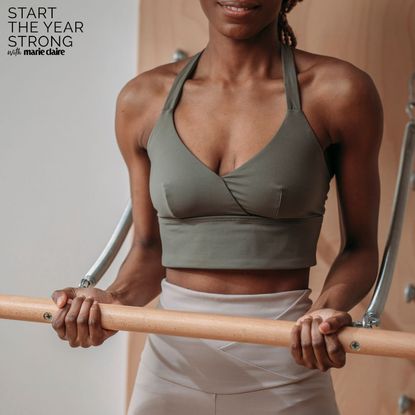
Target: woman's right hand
<point>78,319</point>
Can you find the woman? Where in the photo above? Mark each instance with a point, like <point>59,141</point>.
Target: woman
<point>226,220</point>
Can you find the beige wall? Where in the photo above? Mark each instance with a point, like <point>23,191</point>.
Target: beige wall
<point>379,37</point>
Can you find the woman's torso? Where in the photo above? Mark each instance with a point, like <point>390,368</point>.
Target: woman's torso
<point>225,143</point>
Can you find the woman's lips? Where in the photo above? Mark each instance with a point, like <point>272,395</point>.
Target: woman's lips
<point>238,11</point>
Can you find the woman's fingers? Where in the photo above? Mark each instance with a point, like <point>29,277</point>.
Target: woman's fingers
<point>71,321</point>
<point>307,345</point>
<point>335,350</point>
<point>296,349</point>
<point>78,320</point>
<point>60,297</point>
<point>334,323</point>
<point>58,321</point>
<point>84,339</point>
<point>96,332</point>
<point>319,346</point>
<point>313,349</point>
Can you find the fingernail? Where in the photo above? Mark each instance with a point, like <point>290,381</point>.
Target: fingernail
<point>59,301</point>
<point>325,325</point>
<point>95,302</point>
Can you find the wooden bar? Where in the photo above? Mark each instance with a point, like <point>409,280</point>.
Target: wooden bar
<point>375,341</point>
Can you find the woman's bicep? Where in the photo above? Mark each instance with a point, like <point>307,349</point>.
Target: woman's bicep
<point>357,124</point>
<point>129,128</point>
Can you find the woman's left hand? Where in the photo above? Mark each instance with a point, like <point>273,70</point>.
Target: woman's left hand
<point>314,339</point>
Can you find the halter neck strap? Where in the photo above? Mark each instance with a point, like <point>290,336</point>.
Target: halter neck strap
<point>290,77</point>
<point>182,76</point>
<point>289,73</point>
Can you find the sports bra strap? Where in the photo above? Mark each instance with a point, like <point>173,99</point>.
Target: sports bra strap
<point>290,77</point>
<point>176,88</point>
<point>289,72</point>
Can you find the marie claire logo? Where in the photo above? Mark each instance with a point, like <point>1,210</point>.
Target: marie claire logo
<point>39,31</point>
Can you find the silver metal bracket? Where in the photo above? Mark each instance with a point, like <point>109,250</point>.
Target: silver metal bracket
<point>369,320</point>
<point>85,283</point>
<point>179,54</point>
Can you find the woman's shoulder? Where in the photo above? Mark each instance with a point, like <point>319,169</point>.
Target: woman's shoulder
<point>151,85</point>
<point>331,71</point>
<point>141,99</point>
<point>341,90</point>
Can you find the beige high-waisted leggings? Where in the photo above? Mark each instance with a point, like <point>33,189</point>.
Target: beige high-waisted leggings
<point>187,376</point>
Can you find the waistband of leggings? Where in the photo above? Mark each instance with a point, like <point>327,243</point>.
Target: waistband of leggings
<point>262,305</point>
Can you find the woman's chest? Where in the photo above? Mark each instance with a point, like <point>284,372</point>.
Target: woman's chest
<point>284,177</point>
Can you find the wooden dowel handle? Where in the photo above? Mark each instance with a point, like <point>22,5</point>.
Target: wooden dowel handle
<point>376,341</point>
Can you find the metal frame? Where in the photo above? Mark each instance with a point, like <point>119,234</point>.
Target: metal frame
<point>405,180</point>
<point>110,251</point>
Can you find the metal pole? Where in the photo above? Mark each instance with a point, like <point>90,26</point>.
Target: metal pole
<point>404,183</point>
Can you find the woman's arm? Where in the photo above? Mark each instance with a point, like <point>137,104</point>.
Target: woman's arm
<point>78,319</point>
<point>138,280</point>
<point>139,277</point>
<point>355,123</point>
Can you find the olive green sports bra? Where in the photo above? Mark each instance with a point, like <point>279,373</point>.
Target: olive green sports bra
<point>265,214</point>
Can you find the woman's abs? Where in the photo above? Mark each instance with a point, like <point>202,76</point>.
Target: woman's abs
<point>226,281</point>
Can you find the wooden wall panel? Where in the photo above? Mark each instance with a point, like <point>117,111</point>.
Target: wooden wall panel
<point>377,36</point>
